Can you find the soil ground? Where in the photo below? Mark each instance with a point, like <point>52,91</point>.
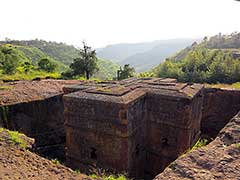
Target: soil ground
<point>17,162</point>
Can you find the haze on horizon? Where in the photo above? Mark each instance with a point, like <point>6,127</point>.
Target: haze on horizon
<point>116,21</point>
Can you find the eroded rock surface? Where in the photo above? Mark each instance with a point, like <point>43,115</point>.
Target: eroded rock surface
<point>35,108</point>
<point>220,160</point>
<point>219,106</point>
<point>18,163</point>
<point>27,91</point>
<point>136,126</point>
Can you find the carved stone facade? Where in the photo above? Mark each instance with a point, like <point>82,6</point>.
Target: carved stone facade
<point>136,126</point>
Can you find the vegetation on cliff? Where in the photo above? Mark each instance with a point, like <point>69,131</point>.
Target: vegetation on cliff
<point>14,137</point>
<point>216,60</point>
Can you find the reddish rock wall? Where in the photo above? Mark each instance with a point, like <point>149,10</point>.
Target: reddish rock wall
<point>218,160</point>
<point>41,120</point>
<point>137,126</point>
<point>173,125</point>
<point>35,108</point>
<point>219,106</point>
<point>97,131</point>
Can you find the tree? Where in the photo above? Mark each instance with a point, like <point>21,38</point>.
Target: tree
<point>86,63</point>
<point>126,72</point>
<point>68,74</point>
<point>27,67</point>
<point>8,60</point>
<point>47,65</point>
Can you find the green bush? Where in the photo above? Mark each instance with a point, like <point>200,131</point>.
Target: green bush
<point>109,177</point>
<point>200,143</point>
<point>202,65</point>
<point>15,138</point>
<point>45,64</point>
<point>55,161</point>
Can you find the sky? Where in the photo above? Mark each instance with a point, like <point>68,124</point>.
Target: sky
<point>103,22</point>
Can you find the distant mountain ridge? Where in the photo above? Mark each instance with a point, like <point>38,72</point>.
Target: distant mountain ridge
<point>119,52</point>
<point>143,56</point>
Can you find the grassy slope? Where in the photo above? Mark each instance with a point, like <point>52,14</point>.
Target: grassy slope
<point>62,54</point>
<point>30,54</point>
<point>231,86</point>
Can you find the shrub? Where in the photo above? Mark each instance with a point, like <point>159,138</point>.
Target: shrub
<point>15,138</point>
<point>200,143</point>
<point>109,177</point>
<point>55,161</point>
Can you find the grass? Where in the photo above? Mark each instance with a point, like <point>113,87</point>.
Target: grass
<point>96,80</point>
<point>5,87</point>
<point>110,177</point>
<point>200,143</point>
<point>15,138</point>
<point>1,129</point>
<point>103,89</point>
<point>190,95</point>
<point>77,171</point>
<point>238,145</point>
<point>234,85</point>
<point>55,161</point>
<point>29,76</point>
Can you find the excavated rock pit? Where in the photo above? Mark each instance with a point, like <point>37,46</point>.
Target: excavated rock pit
<point>36,108</point>
<point>220,160</point>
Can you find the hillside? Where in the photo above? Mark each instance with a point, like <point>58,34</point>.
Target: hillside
<point>60,53</point>
<point>143,56</point>
<point>107,69</point>
<point>19,62</point>
<point>227,42</point>
<point>214,60</point>
<point>119,52</point>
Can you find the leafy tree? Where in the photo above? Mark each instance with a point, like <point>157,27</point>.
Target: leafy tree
<point>86,63</point>
<point>27,67</point>
<point>126,72</point>
<point>47,65</point>
<point>8,60</point>
<point>68,74</point>
<point>203,65</point>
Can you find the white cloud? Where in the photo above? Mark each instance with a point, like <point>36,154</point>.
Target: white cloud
<point>102,22</point>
